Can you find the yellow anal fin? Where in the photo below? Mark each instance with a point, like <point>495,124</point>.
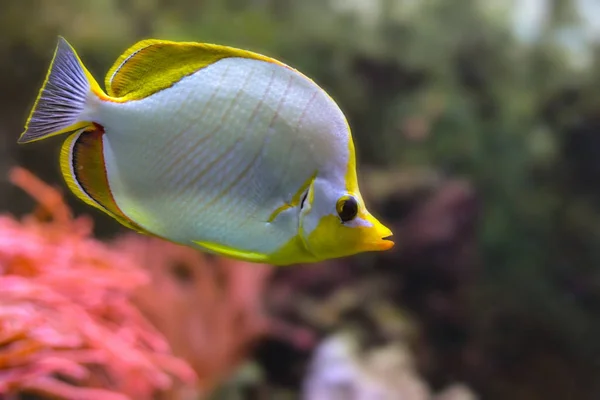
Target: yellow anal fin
<point>153,65</point>
<point>233,253</point>
<point>82,166</point>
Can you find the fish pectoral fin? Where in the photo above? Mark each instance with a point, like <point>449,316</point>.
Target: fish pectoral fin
<point>233,252</point>
<point>297,199</point>
<point>82,166</point>
<point>152,65</point>
<point>279,210</point>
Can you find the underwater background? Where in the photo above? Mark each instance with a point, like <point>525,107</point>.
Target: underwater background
<point>477,128</point>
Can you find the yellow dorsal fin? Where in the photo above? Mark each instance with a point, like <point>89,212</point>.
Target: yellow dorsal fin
<point>153,65</point>
<point>82,166</point>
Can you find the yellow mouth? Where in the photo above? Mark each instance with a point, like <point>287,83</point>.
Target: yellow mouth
<point>377,237</point>
<point>384,244</point>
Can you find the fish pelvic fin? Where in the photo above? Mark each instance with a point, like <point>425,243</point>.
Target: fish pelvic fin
<point>83,168</point>
<point>66,100</point>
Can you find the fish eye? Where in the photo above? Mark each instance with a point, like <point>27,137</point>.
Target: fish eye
<point>347,208</point>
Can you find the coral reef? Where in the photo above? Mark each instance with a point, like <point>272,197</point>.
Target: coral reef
<point>68,327</point>
<point>209,308</point>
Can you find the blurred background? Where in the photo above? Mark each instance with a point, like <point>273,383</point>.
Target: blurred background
<point>477,128</point>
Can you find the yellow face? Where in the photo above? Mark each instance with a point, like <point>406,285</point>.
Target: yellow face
<point>337,224</point>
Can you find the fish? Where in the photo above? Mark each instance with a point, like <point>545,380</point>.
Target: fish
<point>221,149</point>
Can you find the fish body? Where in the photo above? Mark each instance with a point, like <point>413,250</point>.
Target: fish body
<point>209,146</point>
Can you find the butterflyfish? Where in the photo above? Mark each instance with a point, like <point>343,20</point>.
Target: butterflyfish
<point>222,149</point>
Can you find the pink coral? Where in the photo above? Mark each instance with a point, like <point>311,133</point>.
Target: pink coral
<point>209,308</point>
<point>68,328</point>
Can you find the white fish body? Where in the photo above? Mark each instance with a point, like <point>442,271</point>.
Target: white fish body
<point>220,158</point>
<point>245,137</point>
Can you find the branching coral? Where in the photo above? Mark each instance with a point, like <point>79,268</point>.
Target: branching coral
<point>68,328</point>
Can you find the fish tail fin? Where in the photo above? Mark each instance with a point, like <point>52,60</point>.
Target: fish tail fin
<point>67,99</point>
